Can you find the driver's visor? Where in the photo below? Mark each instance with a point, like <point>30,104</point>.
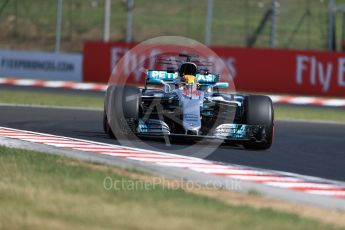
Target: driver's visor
<point>189,79</point>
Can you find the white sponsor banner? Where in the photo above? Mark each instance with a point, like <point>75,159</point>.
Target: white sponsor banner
<point>41,65</point>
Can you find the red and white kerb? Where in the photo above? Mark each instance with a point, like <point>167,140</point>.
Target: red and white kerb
<point>294,100</point>
<point>276,179</point>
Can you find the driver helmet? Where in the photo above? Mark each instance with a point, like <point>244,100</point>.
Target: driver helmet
<point>187,73</point>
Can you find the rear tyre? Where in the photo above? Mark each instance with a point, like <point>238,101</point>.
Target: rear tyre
<point>259,111</point>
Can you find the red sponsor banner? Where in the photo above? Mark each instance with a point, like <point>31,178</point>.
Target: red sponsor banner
<point>260,70</point>
<point>100,58</point>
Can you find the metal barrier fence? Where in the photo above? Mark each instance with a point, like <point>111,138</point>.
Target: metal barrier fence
<point>300,24</point>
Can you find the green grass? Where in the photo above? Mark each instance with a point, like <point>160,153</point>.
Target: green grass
<point>52,99</point>
<point>31,24</point>
<point>59,193</point>
<point>288,112</point>
<point>282,112</point>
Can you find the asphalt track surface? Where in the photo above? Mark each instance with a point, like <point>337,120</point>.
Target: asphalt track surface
<point>314,149</point>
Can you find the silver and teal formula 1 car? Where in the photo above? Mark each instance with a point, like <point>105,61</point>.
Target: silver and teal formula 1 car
<point>186,103</point>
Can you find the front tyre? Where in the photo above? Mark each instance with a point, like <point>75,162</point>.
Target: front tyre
<point>121,111</point>
<point>258,110</point>
<point>106,126</point>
